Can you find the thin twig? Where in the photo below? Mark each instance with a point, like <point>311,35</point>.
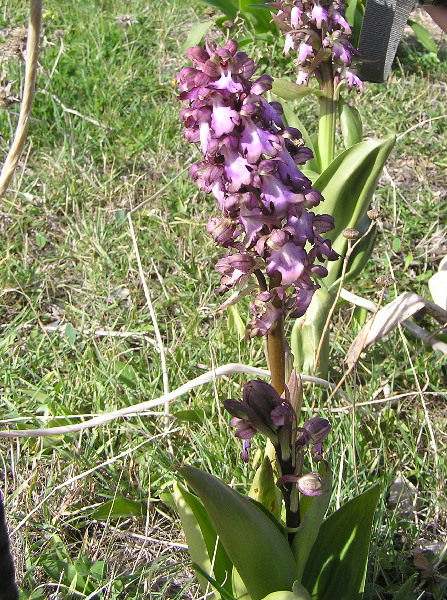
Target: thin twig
<point>74,112</point>
<point>424,122</point>
<point>131,411</point>
<point>161,348</point>
<point>32,48</point>
<point>351,248</point>
<point>164,187</point>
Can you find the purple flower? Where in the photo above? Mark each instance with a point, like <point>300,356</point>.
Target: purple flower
<point>318,32</point>
<point>261,410</point>
<point>250,164</point>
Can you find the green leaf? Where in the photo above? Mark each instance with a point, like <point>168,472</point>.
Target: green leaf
<point>228,7</point>
<point>264,489</point>
<point>298,593</point>
<point>336,567</point>
<point>423,36</point>
<point>235,322</point>
<point>119,507</point>
<point>354,15</point>
<point>396,244</point>
<point>41,240</point>
<point>203,545</point>
<point>192,415</point>
<point>307,332</point>
<point>405,591</point>
<point>222,591</point>
<point>258,14</point>
<point>351,124</point>
<point>196,34</point>
<point>348,185</point>
<point>70,334</point>
<point>292,91</point>
<point>292,120</point>
<point>310,526</point>
<point>247,534</point>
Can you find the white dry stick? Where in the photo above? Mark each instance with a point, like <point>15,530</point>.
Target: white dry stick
<point>161,348</point>
<point>130,411</point>
<point>32,48</point>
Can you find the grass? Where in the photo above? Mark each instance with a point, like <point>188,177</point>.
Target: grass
<point>104,137</point>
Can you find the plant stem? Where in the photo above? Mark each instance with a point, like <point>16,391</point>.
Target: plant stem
<point>276,356</point>
<point>328,114</point>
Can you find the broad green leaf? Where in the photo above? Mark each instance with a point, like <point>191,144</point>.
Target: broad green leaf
<point>125,373</point>
<point>351,124</point>
<point>310,526</point>
<point>264,489</point>
<point>41,240</point>
<point>359,257</point>
<point>348,185</point>
<point>196,34</point>
<point>298,593</point>
<point>119,507</point>
<point>238,586</point>
<point>354,15</point>
<point>292,91</point>
<point>257,549</point>
<point>307,332</point>
<point>203,545</point>
<point>336,567</point>
<point>228,7</point>
<point>258,14</point>
<point>405,591</point>
<point>423,36</point>
<point>292,120</point>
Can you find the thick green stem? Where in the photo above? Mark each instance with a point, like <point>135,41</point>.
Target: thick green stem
<point>328,115</point>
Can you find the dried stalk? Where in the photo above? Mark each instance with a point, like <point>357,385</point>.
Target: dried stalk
<point>32,48</point>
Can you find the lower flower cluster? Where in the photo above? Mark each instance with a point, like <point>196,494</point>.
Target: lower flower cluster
<point>262,410</point>
<point>250,164</point>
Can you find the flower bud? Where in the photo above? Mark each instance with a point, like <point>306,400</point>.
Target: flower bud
<point>310,484</point>
<point>373,214</point>
<point>350,234</point>
<point>318,429</point>
<point>222,230</point>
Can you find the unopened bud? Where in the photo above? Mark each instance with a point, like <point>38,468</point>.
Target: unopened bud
<point>310,484</point>
<point>373,214</point>
<point>384,281</point>
<point>350,234</point>
<point>209,11</point>
<point>228,24</point>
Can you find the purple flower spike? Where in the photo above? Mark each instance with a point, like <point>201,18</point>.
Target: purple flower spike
<point>250,164</point>
<point>318,32</point>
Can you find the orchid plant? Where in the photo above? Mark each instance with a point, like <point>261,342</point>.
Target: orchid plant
<point>275,543</point>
